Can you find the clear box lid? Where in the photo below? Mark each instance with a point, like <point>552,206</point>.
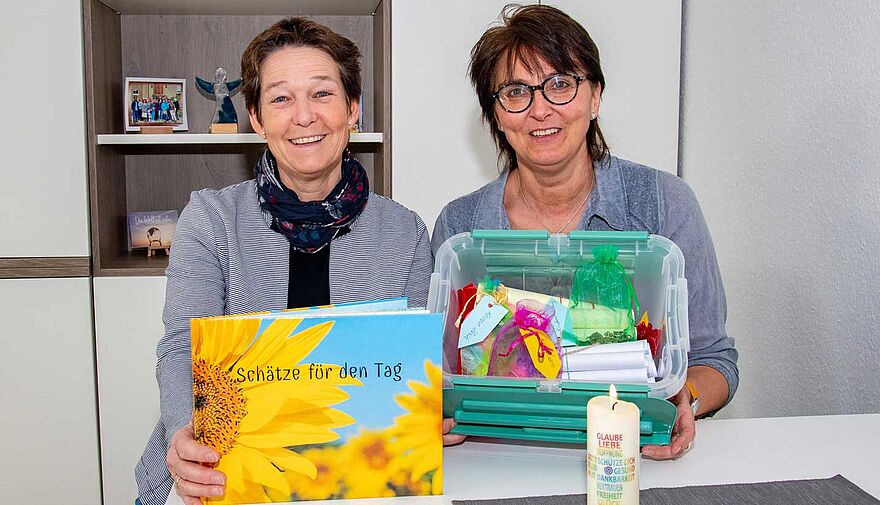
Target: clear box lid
<point>545,263</point>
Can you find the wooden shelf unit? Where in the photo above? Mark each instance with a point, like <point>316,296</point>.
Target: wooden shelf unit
<point>207,138</point>
<point>133,172</point>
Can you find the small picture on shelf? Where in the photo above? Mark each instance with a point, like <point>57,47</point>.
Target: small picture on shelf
<point>154,103</point>
<point>151,230</point>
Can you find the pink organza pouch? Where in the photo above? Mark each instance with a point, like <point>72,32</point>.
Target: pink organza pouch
<point>510,356</point>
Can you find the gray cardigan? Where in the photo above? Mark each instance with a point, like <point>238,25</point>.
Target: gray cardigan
<point>226,260</point>
<point>633,197</point>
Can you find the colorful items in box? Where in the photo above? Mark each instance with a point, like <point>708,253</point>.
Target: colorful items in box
<point>467,300</point>
<point>522,343</point>
<point>603,300</point>
<point>477,335</point>
<point>644,331</point>
<point>475,344</point>
<point>494,288</point>
<point>523,347</point>
<point>522,340</point>
<point>592,323</point>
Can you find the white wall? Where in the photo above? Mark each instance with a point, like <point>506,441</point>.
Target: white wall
<point>441,150</point>
<point>42,136</point>
<point>781,142</point>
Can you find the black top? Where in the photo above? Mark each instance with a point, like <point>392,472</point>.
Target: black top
<point>309,281</point>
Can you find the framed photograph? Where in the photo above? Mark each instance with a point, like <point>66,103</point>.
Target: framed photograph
<point>151,101</point>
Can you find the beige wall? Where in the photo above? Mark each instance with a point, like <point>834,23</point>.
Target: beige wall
<point>441,150</point>
<point>781,142</point>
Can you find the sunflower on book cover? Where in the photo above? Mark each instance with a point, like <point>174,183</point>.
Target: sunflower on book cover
<point>255,424</point>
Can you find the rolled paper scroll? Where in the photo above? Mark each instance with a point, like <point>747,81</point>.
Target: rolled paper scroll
<point>625,355</point>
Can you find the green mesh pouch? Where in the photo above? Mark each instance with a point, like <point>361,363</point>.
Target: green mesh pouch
<point>603,301</point>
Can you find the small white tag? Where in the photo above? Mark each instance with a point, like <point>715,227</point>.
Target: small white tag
<point>481,321</point>
<point>560,320</point>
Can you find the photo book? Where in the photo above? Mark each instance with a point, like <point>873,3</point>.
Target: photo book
<point>325,403</point>
<point>151,229</point>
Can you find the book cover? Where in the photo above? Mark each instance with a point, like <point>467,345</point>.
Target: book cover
<point>307,405</point>
<point>151,228</point>
<point>371,306</point>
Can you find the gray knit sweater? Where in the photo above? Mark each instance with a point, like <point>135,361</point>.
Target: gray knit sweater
<point>632,197</point>
<point>226,260</point>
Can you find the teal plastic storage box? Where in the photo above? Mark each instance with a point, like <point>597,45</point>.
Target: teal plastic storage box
<point>555,409</point>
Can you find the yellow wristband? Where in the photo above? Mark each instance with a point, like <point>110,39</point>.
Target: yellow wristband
<point>692,389</point>
<point>695,397</point>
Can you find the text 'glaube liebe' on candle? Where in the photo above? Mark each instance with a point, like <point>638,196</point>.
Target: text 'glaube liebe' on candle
<point>612,451</point>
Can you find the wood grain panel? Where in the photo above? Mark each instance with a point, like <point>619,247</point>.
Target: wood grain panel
<point>186,46</point>
<point>382,94</point>
<point>162,177</point>
<point>21,268</point>
<point>103,60</point>
<point>102,36</point>
<point>238,7</point>
<point>108,204</point>
<point>134,263</point>
<point>139,178</point>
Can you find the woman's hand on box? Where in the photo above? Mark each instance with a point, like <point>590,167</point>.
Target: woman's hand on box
<point>448,424</point>
<point>189,463</point>
<point>683,432</point>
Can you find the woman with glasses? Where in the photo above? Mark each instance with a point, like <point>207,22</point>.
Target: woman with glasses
<point>539,83</point>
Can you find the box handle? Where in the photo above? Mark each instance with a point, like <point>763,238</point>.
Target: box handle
<point>543,416</point>
<point>683,324</point>
<point>584,235</point>
<point>609,236</point>
<point>539,434</point>
<point>510,234</point>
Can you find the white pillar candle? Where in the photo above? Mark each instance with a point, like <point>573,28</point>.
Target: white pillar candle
<point>612,451</point>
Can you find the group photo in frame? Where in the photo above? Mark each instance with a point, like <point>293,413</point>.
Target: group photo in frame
<point>154,101</point>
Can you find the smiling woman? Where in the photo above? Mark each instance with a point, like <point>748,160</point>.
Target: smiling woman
<point>306,230</point>
<point>539,82</point>
<point>305,116</point>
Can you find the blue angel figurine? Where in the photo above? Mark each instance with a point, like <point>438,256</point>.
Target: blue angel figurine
<point>221,90</point>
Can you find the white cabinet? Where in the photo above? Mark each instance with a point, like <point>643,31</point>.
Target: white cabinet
<point>48,432</point>
<point>43,194</point>
<point>128,325</point>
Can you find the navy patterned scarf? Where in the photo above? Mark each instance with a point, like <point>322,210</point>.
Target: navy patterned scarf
<point>309,226</point>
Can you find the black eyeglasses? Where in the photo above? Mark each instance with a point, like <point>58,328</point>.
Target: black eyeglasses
<point>557,89</point>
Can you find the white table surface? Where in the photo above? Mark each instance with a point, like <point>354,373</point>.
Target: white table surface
<point>725,451</point>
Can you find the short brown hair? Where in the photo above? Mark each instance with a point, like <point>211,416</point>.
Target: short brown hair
<point>299,32</point>
<point>527,34</point>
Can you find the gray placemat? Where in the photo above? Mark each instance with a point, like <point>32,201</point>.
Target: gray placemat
<point>833,491</point>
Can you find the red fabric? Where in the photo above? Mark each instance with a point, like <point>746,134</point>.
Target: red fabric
<point>645,331</point>
<point>467,298</point>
